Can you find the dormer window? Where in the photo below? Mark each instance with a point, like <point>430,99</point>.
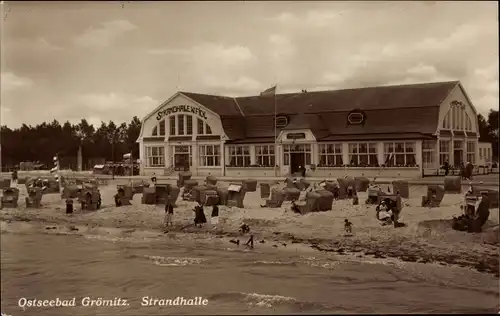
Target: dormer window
<point>281,121</point>
<point>356,118</point>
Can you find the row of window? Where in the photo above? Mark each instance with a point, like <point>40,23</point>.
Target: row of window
<point>459,147</point>
<point>181,125</point>
<point>457,119</point>
<point>365,154</point>
<point>485,153</point>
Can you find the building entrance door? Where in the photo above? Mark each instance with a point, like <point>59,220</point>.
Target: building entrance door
<point>182,157</point>
<point>181,162</point>
<point>458,152</point>
<point>457,157</point>
<point>296,160</point>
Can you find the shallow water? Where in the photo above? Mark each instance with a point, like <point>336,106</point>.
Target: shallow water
<point>233,280</point>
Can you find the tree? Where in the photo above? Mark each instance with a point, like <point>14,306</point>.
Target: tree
<point>42,142</point>
<point>133,131</point>
<point>493,131</point>
<point>484,131</point>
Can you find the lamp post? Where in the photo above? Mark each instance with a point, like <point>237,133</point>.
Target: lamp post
<point>111,139</point>
<point>79,158</point>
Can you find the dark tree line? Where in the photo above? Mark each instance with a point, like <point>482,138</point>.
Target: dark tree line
<point>488,130</point>
<point>108,142</point>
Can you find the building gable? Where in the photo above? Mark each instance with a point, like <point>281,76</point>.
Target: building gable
<point>458,99</point>
<point>180,104</point>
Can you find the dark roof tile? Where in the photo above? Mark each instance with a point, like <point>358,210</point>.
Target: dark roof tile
<point>419,120</point>
<point>224,106</point>
<point>388,109</point>
<point>234,127</point>
<point>382,97</point>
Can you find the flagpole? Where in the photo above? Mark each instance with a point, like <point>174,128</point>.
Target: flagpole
<point>275,131</point>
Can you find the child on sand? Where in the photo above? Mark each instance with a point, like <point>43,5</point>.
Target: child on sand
<point>384,214</point>
<point>347,226</point>
<point>244,229</point>
<point>169,214</point>
<point>250,242</point>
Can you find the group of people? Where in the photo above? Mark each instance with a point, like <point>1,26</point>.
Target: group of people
<point>199,214</point>
<point>388,213</point>
<point>465,170</point>
<point>473,219</point>
<point>83,203</point>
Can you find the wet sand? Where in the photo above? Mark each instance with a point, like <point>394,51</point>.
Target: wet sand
<point>427,238</point>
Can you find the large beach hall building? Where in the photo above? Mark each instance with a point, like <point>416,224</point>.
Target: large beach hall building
<point>387,131</point>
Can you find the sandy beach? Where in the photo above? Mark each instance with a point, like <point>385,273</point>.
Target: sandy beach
<point>428,236</point>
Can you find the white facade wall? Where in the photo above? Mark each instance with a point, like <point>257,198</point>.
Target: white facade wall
<point>218,139</point>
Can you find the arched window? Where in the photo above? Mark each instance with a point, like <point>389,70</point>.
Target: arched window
<point>159,129</point>
<point>181,125</point>
<point>203,128</point>
<point>457,118</point>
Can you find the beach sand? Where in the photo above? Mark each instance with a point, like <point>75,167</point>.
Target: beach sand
<point>428,236</point>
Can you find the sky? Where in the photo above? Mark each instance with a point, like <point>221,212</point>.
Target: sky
<point>114,60</point>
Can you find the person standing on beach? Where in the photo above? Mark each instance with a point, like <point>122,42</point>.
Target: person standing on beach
<point>69,206</point>
<point>199,217</point>
<point>469,169</point>
<point>14,178</point>
<point>446,167</point>
<point>250,242</point>
<point>169,214</point>
<point>214,218</point>
<point>347,226</point>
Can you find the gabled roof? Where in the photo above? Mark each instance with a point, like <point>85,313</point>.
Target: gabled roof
<point>224,106</point>
<point>370,98</point>
<point>412,108</point>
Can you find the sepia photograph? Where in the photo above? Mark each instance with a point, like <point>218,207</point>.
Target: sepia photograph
<point>249,157</point>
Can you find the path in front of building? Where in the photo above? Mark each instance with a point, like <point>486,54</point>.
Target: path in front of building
<point>492,177</point>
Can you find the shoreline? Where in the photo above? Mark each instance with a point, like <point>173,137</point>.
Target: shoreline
<point>483,258</point>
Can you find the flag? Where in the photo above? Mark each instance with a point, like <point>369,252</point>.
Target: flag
<point>269,92</point>
<point>56,165</point>
<point>127,156</point>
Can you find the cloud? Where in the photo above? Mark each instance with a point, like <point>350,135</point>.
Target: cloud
<point>168,51</point>
<point>349,46</point>
<point>10,82</point>
<point>212,53</point>
<point>5,115</point>
<point>308,45</point>
<point>281,46</point>
<point>241,84</point>
<point>422,70</point>
<point>209,53</point>
<point>104,35</point>
<point>104,102</point>
<point>311,18</point>
<point>214,67</point>
<point>43,44</point>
